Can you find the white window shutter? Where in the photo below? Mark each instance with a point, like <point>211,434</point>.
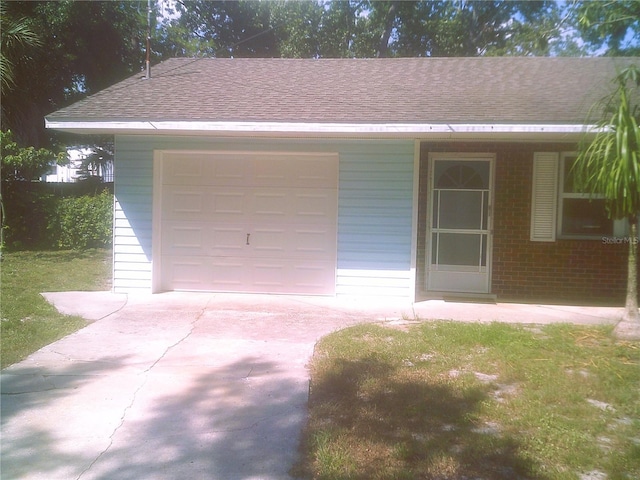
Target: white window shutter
<point>544,197</point>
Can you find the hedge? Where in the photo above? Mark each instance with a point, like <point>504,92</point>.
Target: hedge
<point>83,222</point>
<point>46,216</point>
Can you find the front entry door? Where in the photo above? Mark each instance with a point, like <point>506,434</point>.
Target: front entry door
<point>459,234</point>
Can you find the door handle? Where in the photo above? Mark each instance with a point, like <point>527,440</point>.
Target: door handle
<point>248,235</point>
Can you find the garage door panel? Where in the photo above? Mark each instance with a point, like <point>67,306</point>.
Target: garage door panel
<point>292,276</point>
<point>270,171</point>
<point>202,169</point>
<point>200,238</point>
<point>183,273</point>
<point>201,273</point>
<point>315,206</point>
<point>317,172</point>
<point>268,275</point>
<point>203,202</point>
<point>269,242</point>
<point>309,206</point>
<point>229,169</point>
<point>228,203</point>
<point>181,202</point>
<point>313,171</point>
<point>227,241</point>
<point>267,205</point>
<point>227,274</point>
<point>238,274</point>
<point>293,241</point>
<point>313,276</point>
<point>250,169</point>
<point>183,170</point>
<point>199,202</point>
<point>261,223</point>
<point>314,243</point>
<point>185,239</point>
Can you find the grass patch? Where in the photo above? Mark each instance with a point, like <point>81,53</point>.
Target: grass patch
<point>445,400</point>
<point>28,321</point>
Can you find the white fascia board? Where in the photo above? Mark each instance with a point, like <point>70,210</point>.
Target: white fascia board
<point>95,126</point>
<point>312,128</point>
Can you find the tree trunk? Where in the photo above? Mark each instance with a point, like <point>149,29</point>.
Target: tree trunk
<point>629,327</point>
<point>383,46</point>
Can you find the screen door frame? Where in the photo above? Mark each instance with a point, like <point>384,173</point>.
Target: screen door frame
<point>461,274</point>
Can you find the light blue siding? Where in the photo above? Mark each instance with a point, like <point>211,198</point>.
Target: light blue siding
<point>133,215</point>
<point>375,219</point>
<point>375,207</point>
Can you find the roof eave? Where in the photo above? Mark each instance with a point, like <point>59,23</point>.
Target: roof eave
<point>412,130</point>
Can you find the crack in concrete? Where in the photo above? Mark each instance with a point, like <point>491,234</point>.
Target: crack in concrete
<point>137,390</point>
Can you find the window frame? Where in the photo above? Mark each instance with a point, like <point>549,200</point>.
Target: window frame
<point>619,229</point>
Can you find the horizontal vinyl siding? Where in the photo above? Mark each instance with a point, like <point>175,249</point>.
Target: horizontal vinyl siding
<point>374,208</point>
<point>133,215</point>
<point>374,219</point>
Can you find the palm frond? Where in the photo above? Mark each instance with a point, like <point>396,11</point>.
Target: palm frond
<point>608,164</point>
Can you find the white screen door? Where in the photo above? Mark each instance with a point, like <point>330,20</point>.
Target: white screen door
<point>459,234</point>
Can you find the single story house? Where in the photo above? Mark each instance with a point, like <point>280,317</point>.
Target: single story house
<point>404,177</point>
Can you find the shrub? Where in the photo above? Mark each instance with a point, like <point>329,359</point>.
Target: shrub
<point>28,210</point>
<point>83,222</point>
<point>49,216</point>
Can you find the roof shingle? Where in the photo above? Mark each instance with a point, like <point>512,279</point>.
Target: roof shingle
<point>529,90</point>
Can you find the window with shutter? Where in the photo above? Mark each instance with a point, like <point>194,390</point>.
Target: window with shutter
<point>544,197</point>
<point>581,215</point>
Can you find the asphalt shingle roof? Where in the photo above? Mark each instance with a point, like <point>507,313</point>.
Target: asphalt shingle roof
<point>529,90</point>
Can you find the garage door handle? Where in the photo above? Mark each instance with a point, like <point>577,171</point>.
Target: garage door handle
<point>248,235</point>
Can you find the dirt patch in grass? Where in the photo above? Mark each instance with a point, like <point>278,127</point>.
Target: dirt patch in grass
<point>443,400</point>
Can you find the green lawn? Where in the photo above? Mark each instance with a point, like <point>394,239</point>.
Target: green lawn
<point>444,400</point>
<point>28,321</point>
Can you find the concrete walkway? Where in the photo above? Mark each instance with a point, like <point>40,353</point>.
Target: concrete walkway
<point>191,386</point>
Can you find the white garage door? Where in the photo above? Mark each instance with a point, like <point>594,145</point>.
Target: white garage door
<point>263,223</point>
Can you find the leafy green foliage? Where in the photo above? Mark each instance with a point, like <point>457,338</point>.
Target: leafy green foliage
<point>25,163</point>
<point>44,216</point>
<point>84,47</point>
<point>83,222</point>
<point>28,209</point>
<point>609,164</point>
<point>16,36</point>
<point>609,23</point>
<point>362,28</point>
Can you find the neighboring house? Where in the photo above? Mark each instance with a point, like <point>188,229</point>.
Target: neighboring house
<point>78,168</point>
<point>408,177</point>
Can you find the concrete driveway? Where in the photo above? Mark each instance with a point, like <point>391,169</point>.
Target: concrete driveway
<point>190,386</point>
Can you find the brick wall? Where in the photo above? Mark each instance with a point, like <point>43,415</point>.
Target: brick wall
<point>575,271</point>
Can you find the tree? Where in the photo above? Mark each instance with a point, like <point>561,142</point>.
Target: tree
<point>609,165</point>
<point>17,36</point>
<point>471,28</point>
<point>612,25</point>
<point>96,163</point>
<point>87,46</point>
<point>25,164</point>
<point>20,166</point>
<point>363,28</point>
<point>224,28</point>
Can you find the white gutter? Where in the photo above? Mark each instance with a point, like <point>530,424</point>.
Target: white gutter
<point>326,128</point>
